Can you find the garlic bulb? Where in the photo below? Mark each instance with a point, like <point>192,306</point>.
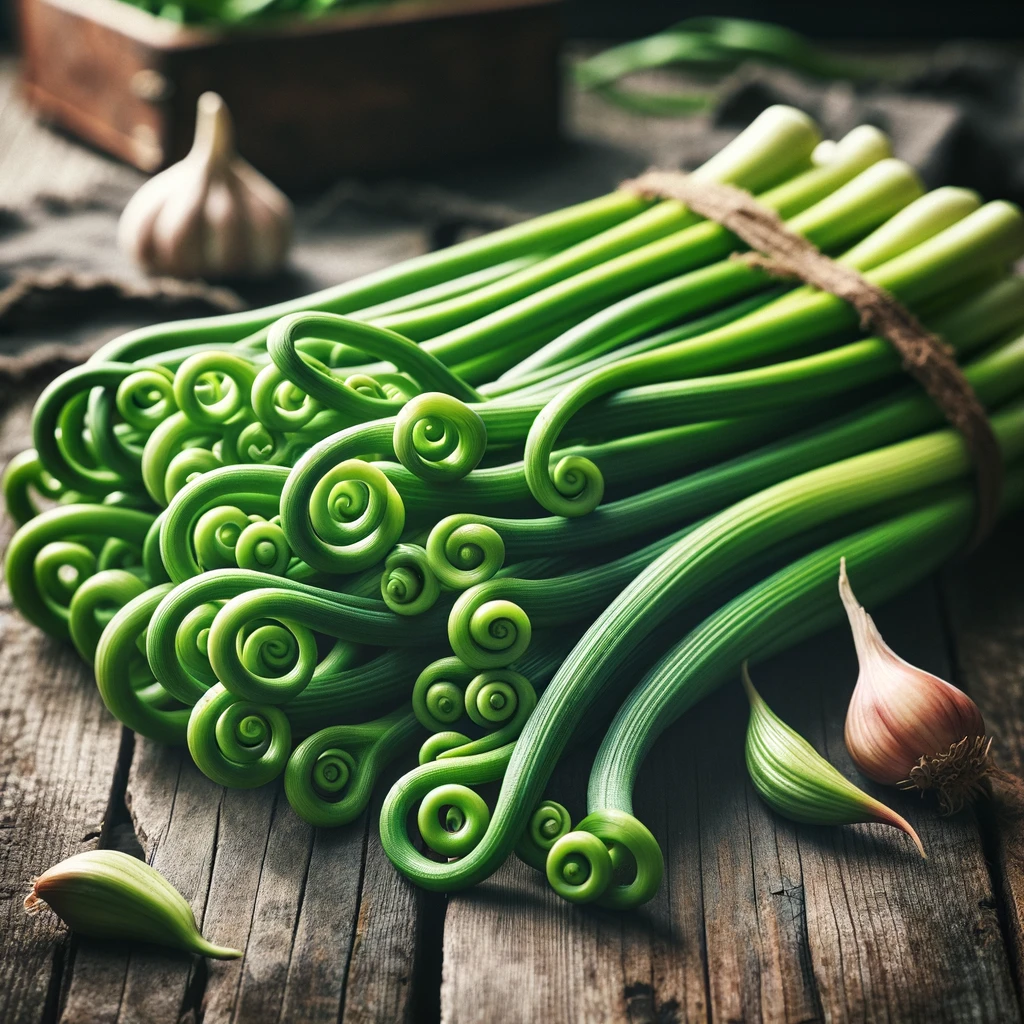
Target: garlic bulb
<point>211,215</point>
<point>908,728</point>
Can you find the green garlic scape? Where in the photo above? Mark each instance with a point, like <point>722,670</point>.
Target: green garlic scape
<point>109,895</point>
<point>795,780</point>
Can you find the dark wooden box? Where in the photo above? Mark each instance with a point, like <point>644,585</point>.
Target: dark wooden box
<point>386,89</point>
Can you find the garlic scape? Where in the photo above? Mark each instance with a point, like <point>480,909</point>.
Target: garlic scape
<point>107,894</point>
<point>211,215</point>
<point>795,780</point>
<point>906,727</point>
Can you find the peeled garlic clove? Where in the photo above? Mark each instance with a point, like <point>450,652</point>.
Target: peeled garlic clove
<point>906,727</point>
<point>211,215</point>
<point>106,894</point>
<point>795,780</point>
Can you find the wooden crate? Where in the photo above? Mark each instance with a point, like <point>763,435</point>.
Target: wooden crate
<point>382,90</point>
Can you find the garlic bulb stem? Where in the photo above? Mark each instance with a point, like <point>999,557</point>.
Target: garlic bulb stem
<point>214,138</point>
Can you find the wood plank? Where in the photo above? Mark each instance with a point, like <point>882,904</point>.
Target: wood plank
<point>57,762</point>
<point>329,931</point>
<point>985,601</point>
<point>174,810</point>
<point>791,923</point>
<point>512,943</point>
<point>384,978</point>
<point>892,937</point>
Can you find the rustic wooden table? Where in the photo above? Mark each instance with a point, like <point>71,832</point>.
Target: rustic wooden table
<point>757,919</point>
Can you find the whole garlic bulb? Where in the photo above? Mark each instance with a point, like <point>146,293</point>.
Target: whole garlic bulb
<point>212,214</point>
<point>906,727</point>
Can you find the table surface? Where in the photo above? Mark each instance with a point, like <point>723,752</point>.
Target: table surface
<point>757,919</point>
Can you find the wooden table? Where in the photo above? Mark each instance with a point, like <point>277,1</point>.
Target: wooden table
<point>757,919</point>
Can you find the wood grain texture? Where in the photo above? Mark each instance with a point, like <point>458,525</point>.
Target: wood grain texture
<point>757,919</point>
<point>329,931</point>
<point>57,762</point>
<point>384,980</point>
<point>985,601</point>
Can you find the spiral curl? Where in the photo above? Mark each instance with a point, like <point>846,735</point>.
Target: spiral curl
<point>499,701</point>
<point>408,584</point>
<point>548,823</point>
<point>574,486</point>
<point>210,388</point>
<point>186,466</point>
<point>356,516</point>
<point>262,546</point>
<point>254,490</point>
<point>439,438</point>
<point>330,775</point>
<point>418,784</point>
<point>439,694</point>
<point>279,404</point>
<point>146,398</point>
<point>63,441</point>
<point>23,475</point>
<point>175,435</point>
<point>610,858</point>
<point>577,487</point>
<point>177,641</point>
<point>192,643</point>
<point>125,680</point>
<point>216,535</point>
<point>260,659</point>
<point>238,743</point>
<point>94,603</point>
<point>60,568</point>
<point>488,634</point>
<point>110,441</point>
<point>466,817</point>
<point>463,552</point>
<point>53,554</point>
<point>254,444</point>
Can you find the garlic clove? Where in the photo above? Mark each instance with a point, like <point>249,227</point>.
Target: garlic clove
<point>135,228</point>
<point>176,238</point>
<point>210,215</point>
<point>267,209</point>
<point>107,894</point>
<point>226,235</point>
<point>906,727</point>
<point>798,783</point>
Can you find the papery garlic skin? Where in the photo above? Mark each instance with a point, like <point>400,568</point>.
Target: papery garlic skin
<point>212,215</point>
<point>906,727</point>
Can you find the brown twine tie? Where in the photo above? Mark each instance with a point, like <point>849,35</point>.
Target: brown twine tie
<point>782,253</point>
